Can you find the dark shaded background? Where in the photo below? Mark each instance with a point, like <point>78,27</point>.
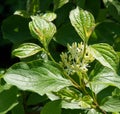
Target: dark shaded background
<point>7,8</point>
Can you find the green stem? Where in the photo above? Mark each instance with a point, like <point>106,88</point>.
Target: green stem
<point>46,50</point>
<point>95,101</point>
<point>51,57</point>
<point>82,82</point>
<point>84,52</point>
<point>74,83</point>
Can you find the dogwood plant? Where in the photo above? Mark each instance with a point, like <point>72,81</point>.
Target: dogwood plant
<point>84,80</point>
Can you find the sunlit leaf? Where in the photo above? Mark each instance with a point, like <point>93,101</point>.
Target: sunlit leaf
<point>26,50</point>
<point>37,76</point>
<point>59,3</point>
<point>71,98</point>
<point>105,54</point>
<point>93,111</point>
<point>42,29</point>
<point>22,13</point>
<point>83,22</point>
<point>49,16</point>
<point>111,104</point>
<point>103,78</point>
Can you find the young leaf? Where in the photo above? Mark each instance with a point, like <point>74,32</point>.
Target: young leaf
<point>105,54</point>
<point>83,22</point>
<point>42,29</point>
<point>53,107</point>
<point>111,104</point>
<point>49,16</point>
<point>71,98</point>
<point>26,50</point>
<point>8,98</point>
<point>37,76</point>
<point>59,3</point>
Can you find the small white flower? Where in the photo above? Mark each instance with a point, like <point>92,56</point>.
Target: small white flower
<point>73,60</point>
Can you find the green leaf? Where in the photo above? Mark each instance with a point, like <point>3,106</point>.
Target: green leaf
<point>107,32</point>
<point>49,16</point>
<point>105,54</point>
<point>113,8</point>
<point>37,76</point>
<point>45,5</point>
<point>34,99</point>
<point>93,111</point>
<point>52,107</point>
<point>22,13</point>
<point>42,29</point>
<point>26,50</point>
<point>105,93</point>
<point>80,3</point>
<point>15,28</point>
<point>75,111</point>
<point>69,94</point>
<point>66,34</point>
<point>83,22</point>
<point>103,78</point>
<point>8,98</point>
<point>71,98</point>
<point>63,15</point>
<point>93,7</point>
<point>33,6</point>
<point>111,104</point>
<point>116,92</point>
<point>59,3</point>
<point>19,109</point>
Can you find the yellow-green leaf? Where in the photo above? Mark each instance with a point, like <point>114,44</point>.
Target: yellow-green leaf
<point>26,50</point>
<point>83,22</point>
<point>42,29</point>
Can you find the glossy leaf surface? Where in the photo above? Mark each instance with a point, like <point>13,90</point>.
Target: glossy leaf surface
<point>105,54</point>
<point>37,76</point>
<point>26,50</point>
<point>103,78</point>
<point>111,104</point>
<point>49,16</point>
<point>42,29</point>
<point>83,22</point>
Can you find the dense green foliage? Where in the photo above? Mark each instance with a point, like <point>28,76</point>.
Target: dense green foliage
<point>68,58</point>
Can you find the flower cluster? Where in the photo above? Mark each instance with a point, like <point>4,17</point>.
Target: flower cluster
<point>77,58</point>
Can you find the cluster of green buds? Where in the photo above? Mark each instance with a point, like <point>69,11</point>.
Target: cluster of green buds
<point>76,59</point>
